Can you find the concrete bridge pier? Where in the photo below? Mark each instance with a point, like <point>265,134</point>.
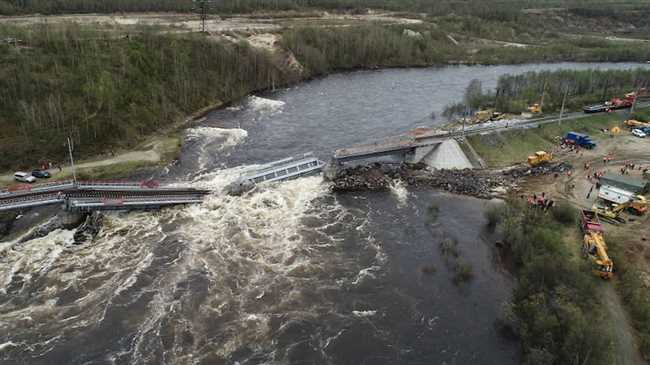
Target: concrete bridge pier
<point>72,218</point>
<point>445,155</point>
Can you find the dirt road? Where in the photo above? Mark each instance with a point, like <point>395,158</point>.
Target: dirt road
<point>152,153</point>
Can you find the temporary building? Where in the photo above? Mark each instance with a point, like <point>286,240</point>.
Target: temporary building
<point>614,194</point>
<point>630,183</point>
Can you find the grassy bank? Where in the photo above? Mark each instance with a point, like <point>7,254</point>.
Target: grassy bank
<point>511,147</point>
<point>558,313</point>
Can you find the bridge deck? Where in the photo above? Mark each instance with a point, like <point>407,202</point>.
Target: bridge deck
<point>100,195</point>
<point>417,138</point>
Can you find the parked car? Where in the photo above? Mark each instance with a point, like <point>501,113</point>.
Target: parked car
<point>639,133</point>
<point>41,174</point>
<point>24,177</point>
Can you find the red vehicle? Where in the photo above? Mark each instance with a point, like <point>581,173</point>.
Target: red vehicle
<point>589,222</point>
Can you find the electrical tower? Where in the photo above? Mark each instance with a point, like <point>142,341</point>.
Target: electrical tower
<point>202,7</point>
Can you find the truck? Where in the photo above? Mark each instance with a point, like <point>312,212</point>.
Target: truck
<point>539,158</point>
<point>594,247</point>
<point>579,139</point>
<point>615,103</point>
<point>598,108</point>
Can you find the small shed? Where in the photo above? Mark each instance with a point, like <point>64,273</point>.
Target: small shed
<point>614,194</point>
<point>634,184</point>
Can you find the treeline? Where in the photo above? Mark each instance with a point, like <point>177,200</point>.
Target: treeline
<point>323,50</point>
<point>487,9</point>
<point>514,93</point>
<point>105,92</point>
<point>558,313</point>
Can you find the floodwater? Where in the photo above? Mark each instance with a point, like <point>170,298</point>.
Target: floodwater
<point>291,274</point>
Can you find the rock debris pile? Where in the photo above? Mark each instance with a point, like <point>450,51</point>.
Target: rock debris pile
<point>89,228</point>
<point>484,184</point>
<point>478,183</point>
<point>551,168</point>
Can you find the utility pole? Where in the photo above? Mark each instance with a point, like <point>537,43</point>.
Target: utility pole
<point>74,172</point>
<point>566,92</point>
<point>541,102</point>
<point>202,7</point>
<point>636,97</point>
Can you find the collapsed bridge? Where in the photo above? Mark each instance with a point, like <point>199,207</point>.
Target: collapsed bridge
<point>85,196</point>
<point>422,145</point>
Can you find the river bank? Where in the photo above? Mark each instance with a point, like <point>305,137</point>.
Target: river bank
<point>166,71</point>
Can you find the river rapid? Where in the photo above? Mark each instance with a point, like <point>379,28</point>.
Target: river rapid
<point>291,274</point>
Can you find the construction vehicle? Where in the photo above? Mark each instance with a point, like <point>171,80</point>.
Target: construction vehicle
<point>488,115</point>
<point>638,205</point>
<point>632,123</point>
<point>594,247</point>
<point>579,139</point>
<point>535,108</point>
<point>615,103</point>
<point>539,158</point>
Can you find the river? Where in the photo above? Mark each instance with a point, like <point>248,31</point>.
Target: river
<point>291,274</point>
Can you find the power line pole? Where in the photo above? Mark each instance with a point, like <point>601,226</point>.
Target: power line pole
<point>202,7</point>
<point>74,172</point>
<point>566,92</point>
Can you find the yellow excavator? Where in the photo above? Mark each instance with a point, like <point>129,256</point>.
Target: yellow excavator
<point>595,249</point>
<point>638,205</point>
<point>593,245</point>
<point>540,157</point>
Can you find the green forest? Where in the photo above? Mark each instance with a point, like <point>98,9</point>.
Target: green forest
<point>514,93</point>
<point>106,92</point>
<point>557,311</point>
<point>495,9</point>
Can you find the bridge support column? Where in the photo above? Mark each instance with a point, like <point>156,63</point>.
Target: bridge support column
<point>448,155</point>
<point>72,218</point>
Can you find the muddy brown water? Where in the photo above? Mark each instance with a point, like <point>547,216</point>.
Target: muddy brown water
<point>291,274</point>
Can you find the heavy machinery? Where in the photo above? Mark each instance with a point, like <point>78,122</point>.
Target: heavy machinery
<point>615,103</point>
<point>535,108</point>
<point>594,247</point>
<point>488,115</point>
<point>638,205</point>
<point>539,158</point>
<point>579,139</point>
<point>636,124</point>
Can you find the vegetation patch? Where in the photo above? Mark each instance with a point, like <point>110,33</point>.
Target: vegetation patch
<point>634,286</point>
<point>463,273</point>
<point>559,316</point>
<point>106,92</point>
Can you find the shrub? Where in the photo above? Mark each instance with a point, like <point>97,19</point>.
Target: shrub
<point>464,273</point>
<point>449,247</point>
<point>564,213</point>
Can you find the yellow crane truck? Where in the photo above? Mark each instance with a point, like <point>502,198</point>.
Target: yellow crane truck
<point>594,247</point>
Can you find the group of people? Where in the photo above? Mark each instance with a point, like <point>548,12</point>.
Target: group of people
<point>47,165</point>
<point>540,201</point>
